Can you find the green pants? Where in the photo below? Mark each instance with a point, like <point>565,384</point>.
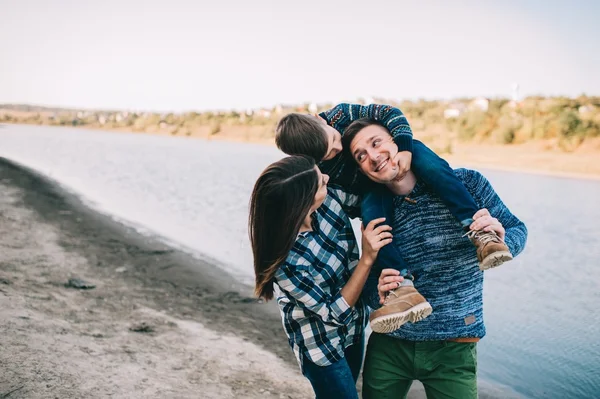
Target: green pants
<point>447,370</point>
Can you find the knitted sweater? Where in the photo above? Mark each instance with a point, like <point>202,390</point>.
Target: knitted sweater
<point>443,262</point>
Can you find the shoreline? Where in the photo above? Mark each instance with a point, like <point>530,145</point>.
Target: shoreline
<point>547,173</point>
<point>528,158</point>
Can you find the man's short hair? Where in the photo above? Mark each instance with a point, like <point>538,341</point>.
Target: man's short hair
<point>298,134</point>
<point>354,128</point>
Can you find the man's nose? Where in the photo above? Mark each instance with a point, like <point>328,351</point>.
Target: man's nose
<point>374,155</point>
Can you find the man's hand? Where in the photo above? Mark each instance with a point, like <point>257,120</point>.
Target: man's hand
<point>484,221</point>
<point>389,279</point>
<point>403,160</point>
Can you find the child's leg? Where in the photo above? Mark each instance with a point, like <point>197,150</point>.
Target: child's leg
<point>437,174</point>
<point>440,177</point>
<point>403,304</point>
<point>378,203</point>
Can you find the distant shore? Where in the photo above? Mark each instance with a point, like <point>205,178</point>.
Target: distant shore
<point>537,157</point>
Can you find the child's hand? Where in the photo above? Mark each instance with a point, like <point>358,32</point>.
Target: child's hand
<point>403,160</point>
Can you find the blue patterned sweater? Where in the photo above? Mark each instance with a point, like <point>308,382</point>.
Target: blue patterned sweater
<point>443,262</point>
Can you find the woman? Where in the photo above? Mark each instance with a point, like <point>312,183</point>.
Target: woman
<point>305,254</point>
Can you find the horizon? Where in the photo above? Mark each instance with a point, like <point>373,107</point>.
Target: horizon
<point>182,56</point>
<point>267,107</point>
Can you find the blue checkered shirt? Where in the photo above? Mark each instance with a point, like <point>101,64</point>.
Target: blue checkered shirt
<point>318,321</point>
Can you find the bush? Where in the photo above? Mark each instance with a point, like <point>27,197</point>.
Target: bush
<point>569,125</point>
<point>470,124</point>
<point>215,129</point>
<point>504,134</point>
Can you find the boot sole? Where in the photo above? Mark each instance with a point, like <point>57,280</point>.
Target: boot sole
<point>392,322</point>
<point>495,259</point>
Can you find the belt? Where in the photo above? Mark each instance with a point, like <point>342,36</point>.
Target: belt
<point>463,339</point>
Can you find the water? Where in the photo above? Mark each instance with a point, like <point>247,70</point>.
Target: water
<point>541,309</point>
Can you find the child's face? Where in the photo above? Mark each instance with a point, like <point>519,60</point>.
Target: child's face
<point>334,140</point>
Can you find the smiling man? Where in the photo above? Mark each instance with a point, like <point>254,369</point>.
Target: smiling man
<point>440,350</point>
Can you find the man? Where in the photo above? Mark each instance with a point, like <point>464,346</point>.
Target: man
<point>440,351</point>
<point>321,138</point>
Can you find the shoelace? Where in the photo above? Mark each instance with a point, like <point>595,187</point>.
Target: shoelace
<point>483,236</point>
<point>389,293</point>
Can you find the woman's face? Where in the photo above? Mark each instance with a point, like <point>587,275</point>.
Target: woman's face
<point>321,191</point>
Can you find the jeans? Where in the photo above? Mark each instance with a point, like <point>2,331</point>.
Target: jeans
<point>337,380</point>
<point>440,178</point>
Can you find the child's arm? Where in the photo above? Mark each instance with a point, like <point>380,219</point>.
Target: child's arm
<point>342,115</point>
<point>342,169</point>
<point>413,154</point>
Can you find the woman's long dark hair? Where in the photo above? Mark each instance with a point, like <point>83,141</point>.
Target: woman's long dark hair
<point>281,199</point>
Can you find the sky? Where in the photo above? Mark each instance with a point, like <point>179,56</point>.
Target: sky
<point>181,55</point>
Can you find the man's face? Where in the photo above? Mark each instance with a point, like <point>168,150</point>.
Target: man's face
<point>334,140</point>
<point>374,150</point>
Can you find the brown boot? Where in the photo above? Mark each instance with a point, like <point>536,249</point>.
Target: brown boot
<point>491,250</point>
<point>401,305</point>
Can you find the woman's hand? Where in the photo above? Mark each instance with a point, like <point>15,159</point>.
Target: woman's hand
<point>389,279</point>
<point>374,238</point>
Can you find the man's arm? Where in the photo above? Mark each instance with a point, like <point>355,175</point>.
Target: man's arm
<point>342,115</point>
<point>486,197</point>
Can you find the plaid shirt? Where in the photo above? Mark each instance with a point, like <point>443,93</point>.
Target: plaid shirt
<point>318,321</point>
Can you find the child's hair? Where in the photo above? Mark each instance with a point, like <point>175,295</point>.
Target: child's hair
<point>298,134</point>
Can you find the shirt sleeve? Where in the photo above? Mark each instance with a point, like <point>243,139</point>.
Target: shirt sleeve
<point>486,197</point>
<point>350,202</point>
<point>294,279</point>
<point>342,115</point>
